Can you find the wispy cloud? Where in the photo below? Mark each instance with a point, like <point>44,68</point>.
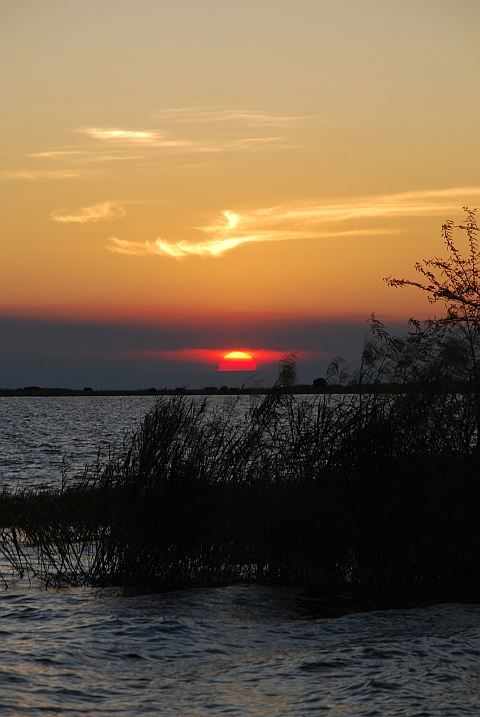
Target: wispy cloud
<point>226,115</point>
<point>309,220</point>
<point>137,138</point>
<point>212,357</point>
<point>217,246</point>
<point>194,130</point>
<point>81,156</point>
<point>37,175</point>
<point>57,153</point>
<point>229,140</point>
<point>95,213</point>
<point>160,140</point>
<point>121,135</point>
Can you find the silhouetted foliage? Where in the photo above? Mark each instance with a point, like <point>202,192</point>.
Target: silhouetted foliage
<point>451,343</point>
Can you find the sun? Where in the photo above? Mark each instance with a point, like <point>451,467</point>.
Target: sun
<point>237,361</point>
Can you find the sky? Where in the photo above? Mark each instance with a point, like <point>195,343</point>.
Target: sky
<point>183,179</point>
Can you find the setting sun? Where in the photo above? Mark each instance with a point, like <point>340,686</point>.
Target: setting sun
<point>237,361</point>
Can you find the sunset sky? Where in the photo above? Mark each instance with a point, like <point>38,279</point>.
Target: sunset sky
<point>183,179</point>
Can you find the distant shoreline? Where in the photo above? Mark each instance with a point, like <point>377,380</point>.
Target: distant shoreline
<point>30,391</point>
<point>225,391</point>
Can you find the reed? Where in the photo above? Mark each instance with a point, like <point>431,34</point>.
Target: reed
<point>372,496</point>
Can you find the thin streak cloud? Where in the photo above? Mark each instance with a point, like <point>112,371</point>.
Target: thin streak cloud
<point>248,117</point>
<point>156,139</point>
<point>302,221</point>
<point>79,156</point>
<point>216,130</point>
<point>218,246</point>
<point>121,135</point>
<point>56,154</point>
<point>38,175</point>
<point>95,213</point>
<point>144,138</point>
<point>214,356</point>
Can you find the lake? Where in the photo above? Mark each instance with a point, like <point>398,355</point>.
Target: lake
<point>239,650</point>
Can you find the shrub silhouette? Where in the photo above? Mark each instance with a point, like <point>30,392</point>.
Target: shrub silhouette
<point>454,281</point>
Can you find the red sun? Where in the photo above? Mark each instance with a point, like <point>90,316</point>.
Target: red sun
<point>237,361</point>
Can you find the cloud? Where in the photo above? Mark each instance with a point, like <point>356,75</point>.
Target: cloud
<point>121,135</point>
<point>165,140</point>
<point>80,156</point>
<point>214,356</point>
<point>226,115</point>
<point>189,130</point>
<point>217,246</point>
<point>302,221</point>
<point>95,213</point>
<point>37,175</point>
<point>186,130</point>
<point>58,153</point>
<point>137,138</point>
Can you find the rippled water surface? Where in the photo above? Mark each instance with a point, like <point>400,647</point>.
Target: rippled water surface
<point>241,650</point>
<point>37,432</point>
<point>237,650</point>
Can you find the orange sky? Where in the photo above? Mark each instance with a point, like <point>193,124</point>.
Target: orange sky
<point>200,160</point>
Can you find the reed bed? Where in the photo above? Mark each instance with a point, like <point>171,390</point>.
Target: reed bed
<point>366,500</point>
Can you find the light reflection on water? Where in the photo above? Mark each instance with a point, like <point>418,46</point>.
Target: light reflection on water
<point>36,432</point>
<point>241,650</point>
<point>238,650</point>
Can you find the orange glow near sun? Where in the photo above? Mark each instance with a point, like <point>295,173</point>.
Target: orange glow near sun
<point>237,361</point>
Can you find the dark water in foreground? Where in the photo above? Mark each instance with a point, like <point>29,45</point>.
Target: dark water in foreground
<point>241,650</point>
<point>237,651</point>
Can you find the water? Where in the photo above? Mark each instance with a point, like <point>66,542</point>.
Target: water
<point>237,651</point>
<point>37,432</point>
<point>241,650</point>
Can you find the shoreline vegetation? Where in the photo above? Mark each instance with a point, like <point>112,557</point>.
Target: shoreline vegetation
<point>367,501</point>
<point>303,389</point>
